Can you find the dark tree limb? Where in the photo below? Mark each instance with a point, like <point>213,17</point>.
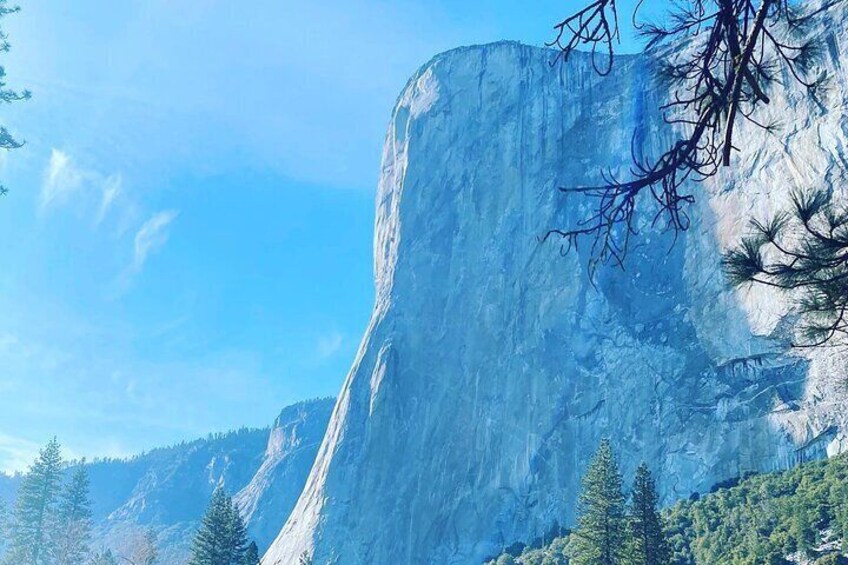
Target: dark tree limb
<point>8,96</point>
<point>721,71</point>
<point>804,253</point>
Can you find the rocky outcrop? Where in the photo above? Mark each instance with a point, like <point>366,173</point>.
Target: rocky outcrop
<point>269,497</point>
<point>492,366</point>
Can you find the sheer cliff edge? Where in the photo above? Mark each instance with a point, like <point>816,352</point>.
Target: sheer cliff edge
<point>492,367</point>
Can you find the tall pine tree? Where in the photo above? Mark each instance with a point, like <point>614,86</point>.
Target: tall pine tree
<point>4,526</point>
<point>251,555</point>
<point>236,534</point>
<point>600,534</point>
<point>222,539</point>
<point>72,530</point>
<point>646,543</point>
<point>35,510</point>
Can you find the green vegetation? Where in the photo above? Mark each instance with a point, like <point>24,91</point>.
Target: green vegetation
<point>646,542</point>
<point>4,526</point>
<point>8,95</point>
<point>221,539</point>
<point>36,511</point>
<point>251,556</point>
<point>600,535</point>
<point>145,550</point>
<point>799,515</point>
<point>802,251</point>
<point>765,518</point>
<point>609,530</point>
<point>51,521</point>
<point>72,532</point>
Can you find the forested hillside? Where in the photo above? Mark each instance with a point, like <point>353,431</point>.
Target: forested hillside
<point>795,516</point>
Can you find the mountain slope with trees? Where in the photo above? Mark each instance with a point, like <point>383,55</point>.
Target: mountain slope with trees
<point>163,494</point>
<point>794,516</point>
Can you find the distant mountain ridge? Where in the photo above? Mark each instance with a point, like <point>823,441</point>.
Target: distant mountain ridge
<point>168,488</point>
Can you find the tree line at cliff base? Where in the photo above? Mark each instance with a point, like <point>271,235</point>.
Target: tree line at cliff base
<point>798,516</point>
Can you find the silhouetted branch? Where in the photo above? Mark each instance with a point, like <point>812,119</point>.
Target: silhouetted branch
<point>804,252</point>
<point>725,61</point>
<point>7,141</point>
<point>595,25</point>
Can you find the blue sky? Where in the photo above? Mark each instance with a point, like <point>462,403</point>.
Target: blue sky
<point>186,247</point>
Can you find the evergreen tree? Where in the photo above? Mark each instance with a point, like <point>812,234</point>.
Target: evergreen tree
<point>251,555</point>
<point>4,524</point>
<point>718,82</point>
<point>804,253</point>
<point>841,494</point>
<point>801,529</point>
<point>35,510</point>
<point>236,534</point>
<point>145,550</point>
<point>221,539</point>
<point>600,534</point>
<point>210,543</point>
<point>72,531</point>
<point>646,544</point>
<point>152,548</point>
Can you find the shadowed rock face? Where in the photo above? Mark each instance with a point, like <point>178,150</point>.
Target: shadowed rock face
<point>492,368</point>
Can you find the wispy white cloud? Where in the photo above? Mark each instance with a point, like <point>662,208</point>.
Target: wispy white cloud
<point>151,237</point>
<point>61,179</point>
<point>64,181</point>
<point>112,187</point>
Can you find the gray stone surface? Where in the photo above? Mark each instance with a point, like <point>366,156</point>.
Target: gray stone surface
<point>267,500</point>
<point>491,367</point>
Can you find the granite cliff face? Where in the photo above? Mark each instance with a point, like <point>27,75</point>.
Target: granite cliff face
<point>491,367</point>
<point>267,500</point>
